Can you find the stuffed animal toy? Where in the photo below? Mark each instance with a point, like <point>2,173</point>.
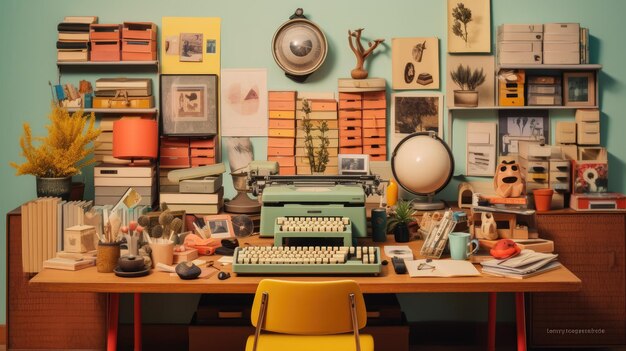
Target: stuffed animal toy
<point>508,181</point>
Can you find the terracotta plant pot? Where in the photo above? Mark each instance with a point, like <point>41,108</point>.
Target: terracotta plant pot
<point>54,187</point>
<point>465,98</point>
<point>543,199</point>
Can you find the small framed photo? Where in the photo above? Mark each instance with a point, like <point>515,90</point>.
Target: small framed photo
<point>353,164</point>
<point>219,226</point>
<point>579,89</point>
<point>189,105</point>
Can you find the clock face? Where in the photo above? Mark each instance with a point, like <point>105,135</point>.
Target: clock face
<point>299,47</point>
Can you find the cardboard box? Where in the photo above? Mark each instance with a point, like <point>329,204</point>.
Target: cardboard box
<point>202,152</point>
<point>347,123</point>
<point>202,161</point>
<point>587,115</point>
<point>105,31</point>
<point>349,104</point>
<point>570,152</point>
<point>174,142</point>
<point>139,56</point>
<point>592,154</point>
<point>351,150</point>
<point>374,132</point>
<point>79,239</point>
<point>520,28</point>
<point>140,46</point>
<point>139,30</point>
<point>588,133</point>
<point>532,149</point>
<point>562,28</point>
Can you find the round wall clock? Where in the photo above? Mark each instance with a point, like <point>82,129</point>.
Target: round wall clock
<point>299,47</point>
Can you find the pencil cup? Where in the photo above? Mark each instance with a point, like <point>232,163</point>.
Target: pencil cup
<point>461,245</point>
<point>107,255</point>
<point>379,225</point>
<point>162,253</point>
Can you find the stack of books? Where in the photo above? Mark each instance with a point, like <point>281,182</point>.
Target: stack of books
<point>525,265</point>
<point>282,130</point>
<point>111,182</point>
<point>196,196</point>
<point>73,39</point>
<point>123,93</point>
<point>323,107</point>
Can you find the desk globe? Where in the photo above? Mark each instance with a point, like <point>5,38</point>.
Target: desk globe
<point>422,164</point>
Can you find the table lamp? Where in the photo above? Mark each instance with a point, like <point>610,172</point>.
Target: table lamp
<point>422,164</point>
<point>135,138</point>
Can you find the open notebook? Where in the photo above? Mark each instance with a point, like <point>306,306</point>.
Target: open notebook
<point>440,268</point>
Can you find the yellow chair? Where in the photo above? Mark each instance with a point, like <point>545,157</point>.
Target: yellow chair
<point>309,316</point>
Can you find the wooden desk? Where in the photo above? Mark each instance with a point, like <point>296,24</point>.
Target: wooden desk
<point>88,280</point>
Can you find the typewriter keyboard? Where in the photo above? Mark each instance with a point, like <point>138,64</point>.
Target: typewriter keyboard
<point>313,224</point>
<point>307,260</point>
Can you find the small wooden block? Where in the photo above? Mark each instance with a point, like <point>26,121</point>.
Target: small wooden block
<point>282,114</point>
<point>185,256</point>
<point>79,238</point>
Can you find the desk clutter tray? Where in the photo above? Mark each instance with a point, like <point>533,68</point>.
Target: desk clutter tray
<point>307,260</point>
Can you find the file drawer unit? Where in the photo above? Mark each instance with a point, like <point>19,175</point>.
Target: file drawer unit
<point>588,126</point>
<point>565,132</point>
<point>282,130</point>
<point>560,178</point>
<point>350,123</point>
<point>374,125</point>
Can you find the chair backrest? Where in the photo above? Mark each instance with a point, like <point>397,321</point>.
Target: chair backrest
<point>309,308</point>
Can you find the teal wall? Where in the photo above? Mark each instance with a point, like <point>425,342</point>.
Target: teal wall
<point>27,63</point>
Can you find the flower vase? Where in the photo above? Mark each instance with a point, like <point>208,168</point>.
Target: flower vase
<point>54,187</point>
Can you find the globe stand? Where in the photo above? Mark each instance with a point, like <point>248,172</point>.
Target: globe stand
<point>427,203</point>
<point>242,203</point>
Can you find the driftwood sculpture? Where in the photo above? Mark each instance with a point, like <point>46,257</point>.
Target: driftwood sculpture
<point>361,54</point>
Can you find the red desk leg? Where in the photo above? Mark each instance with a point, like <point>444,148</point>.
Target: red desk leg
<point>491,322</point>
<point>137,322</point>
<point>520,321</point>
<point>113,315</point>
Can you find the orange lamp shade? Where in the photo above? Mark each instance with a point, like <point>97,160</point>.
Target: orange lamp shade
<point>135,138</point>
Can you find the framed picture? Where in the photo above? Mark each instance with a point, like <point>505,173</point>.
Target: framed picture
<point>244,102</point>
<point>486,90</point>
<point>190,45</point>
<point>469,26</point>
<point>413,112</point>
<point>579,89</point>
<point>415,63</point>
<point>353,164</point>
<point>189,104</point>
<point>516,125</point>
<point>219,226</point>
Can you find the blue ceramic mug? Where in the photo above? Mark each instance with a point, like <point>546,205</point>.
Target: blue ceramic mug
<point>461,245</point>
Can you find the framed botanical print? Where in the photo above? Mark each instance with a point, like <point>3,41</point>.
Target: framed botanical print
<point>189,104</point>
<point>469,26</point>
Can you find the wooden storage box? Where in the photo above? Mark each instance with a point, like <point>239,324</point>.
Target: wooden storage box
<point>566,132</point>
<point>134,102</point>
<point>374,132</point>
<point>374,123</point>
<point>374,141</point>
<point>588,133</point>
<point>350,96</point>
<point>349,104</point>
<point>282,96</point>
<point>282,124</point>
<point>174,142</point>
<point>351,141</point>
<point>380,150</point>
<point>79,239</point>
<point>349,132</point>
<point>142,46</point>
<point>323,105</point>
<point>374,104</point>
<point>281,133</point>
<point>104,31</point>
<point>139,56</point>
<point>174,162</point>
<point>202,143</point>
<point>202,161</point>
<point>352,114</point>
<point>195,152</point>
<point>377,114</point>
<point>349,122</point>
<point>105,56</point>
<point>351,150</point>
<point>174,151</point>
<point>139,30</point>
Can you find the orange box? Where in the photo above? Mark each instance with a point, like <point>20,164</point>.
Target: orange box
<point>202,161</point>
<point>323,105</point>
<point>283,161</point>
<point>349,114</point>
<point>350,132</point>
<point>287,170</point>
<point>346,123</point>
<point>350,141</point>
<point>351,150</point>
<point>105,56</point>
<point>282,124</point>
<point>374,141</point>
<point>135,45</point>
<point>375,149</point>
<point>350,96</point>
<point>375,95</point>
<point>281,142</point>
<point>280,151</point>
<point>174,151</point>
<point>371,114</point>
<point>174,142</point>
<point>104,31</point>
<point>378,157</point>
<point>202,152</point>
<point>349,105</point>
<point>283,114</point>
<point>174,162</point>
<point>282,96</point>
<point>105,46</point>
<point>281,105</point>
<point>281,133</point>
<point>138,56</point>
<point>139,30</point>
<point>202,143</point>
<point>374,123</point>
<point>374,104</point>
<point>374,132</point>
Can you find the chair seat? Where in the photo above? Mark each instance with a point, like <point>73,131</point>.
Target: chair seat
<point>284,342</point>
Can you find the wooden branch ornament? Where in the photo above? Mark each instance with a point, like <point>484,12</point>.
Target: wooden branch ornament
<point>359,51</point>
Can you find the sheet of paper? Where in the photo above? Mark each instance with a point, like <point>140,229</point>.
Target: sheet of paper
<point>401,251</point>
<point>442,268</point>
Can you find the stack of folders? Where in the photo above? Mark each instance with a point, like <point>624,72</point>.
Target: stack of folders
<point>527,264</point>
<point>43,223</point>
<point>73,40</point>
<point>111,182</point>
<point>196,196</point>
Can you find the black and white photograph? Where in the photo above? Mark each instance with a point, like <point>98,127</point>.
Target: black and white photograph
<point>190,47</point>
<point>189,104</point>
<point>211,45</point>
<point>579,89</point>
<point>516,125</point>
<point>219,226</point>
<point>353,164</point>
<point>412,113</point>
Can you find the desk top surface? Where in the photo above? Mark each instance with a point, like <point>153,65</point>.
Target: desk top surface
<point>89,280</point>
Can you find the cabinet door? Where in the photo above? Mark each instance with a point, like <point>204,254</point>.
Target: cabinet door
<point>593,247</point>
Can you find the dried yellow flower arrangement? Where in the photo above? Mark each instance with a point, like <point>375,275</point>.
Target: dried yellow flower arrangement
<point>64,152</point>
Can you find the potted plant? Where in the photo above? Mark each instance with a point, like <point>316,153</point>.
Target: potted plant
<point>61,154</point>
<point>400,220</point>
<point>316,152</point>
<point>468,80</point>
